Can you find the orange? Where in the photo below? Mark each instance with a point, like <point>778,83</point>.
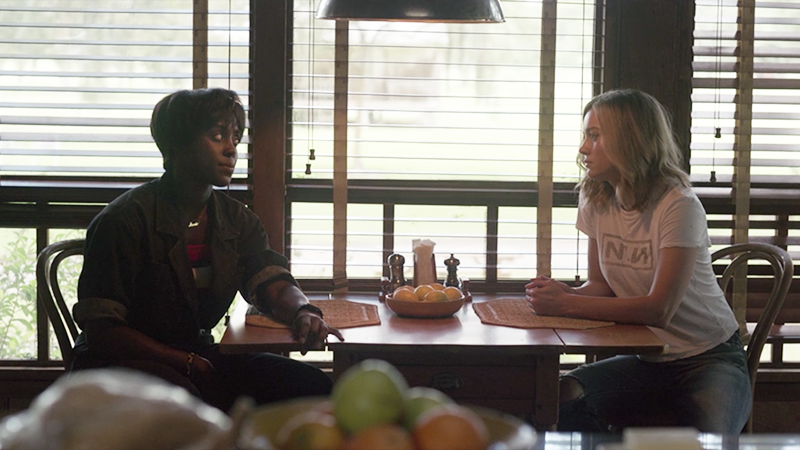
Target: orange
<point>381,437</point>
<point>405,295</point>
<point>311,430</point>
<point>435,296</point>
<point>453,292</point>
<point>437,286</point>
<point>404,287</point>
<point>422,290</point>
<point>451,427</point>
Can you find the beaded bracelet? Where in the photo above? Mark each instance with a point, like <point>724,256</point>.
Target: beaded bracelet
<point>189,363</point>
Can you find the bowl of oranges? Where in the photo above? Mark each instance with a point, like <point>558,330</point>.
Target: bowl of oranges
<point>372,407</point>
<point>426,301</point>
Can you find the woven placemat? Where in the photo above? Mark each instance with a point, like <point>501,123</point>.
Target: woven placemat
<point>337,313</point>
<point>517,313</point>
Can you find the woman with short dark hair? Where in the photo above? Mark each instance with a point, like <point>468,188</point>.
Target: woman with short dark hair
<point>163,262</point>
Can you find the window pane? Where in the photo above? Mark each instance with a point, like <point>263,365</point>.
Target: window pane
<point>79,79</point>
<point>456,230</point>
<point>516,243</point>
<point>440,101</point>
<point>17,293</point>
<point>431,102</point>
<point>311,243</point>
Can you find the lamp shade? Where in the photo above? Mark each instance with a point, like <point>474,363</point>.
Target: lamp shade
<point>467,11</point>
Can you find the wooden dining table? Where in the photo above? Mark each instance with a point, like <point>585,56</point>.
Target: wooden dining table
<point>514,370</point>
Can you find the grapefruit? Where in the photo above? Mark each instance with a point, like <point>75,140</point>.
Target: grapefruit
<point>451,427</point>
<point>311,430</point>
<point>386,436</point>
<point>421,399</point>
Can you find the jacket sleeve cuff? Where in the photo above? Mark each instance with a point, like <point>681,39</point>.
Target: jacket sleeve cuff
<point>267,275</point>
<point>98,309</point>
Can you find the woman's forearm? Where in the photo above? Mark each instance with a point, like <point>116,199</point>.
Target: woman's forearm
<point>593,289</point>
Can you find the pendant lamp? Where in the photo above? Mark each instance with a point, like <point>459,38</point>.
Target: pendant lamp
<point>466,11</point>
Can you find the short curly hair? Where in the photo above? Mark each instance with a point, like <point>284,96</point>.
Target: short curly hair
<point>181,117</point>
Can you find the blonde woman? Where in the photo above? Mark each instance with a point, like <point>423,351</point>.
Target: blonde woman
<point>649,264</point>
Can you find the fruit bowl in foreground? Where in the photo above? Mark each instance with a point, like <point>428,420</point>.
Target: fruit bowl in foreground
<point>262,424</point>
<point>424,310</point>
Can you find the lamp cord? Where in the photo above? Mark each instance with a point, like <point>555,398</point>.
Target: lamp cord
<point>311,66</point>
<point>717,84</point>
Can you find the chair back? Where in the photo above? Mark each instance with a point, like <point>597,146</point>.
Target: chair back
<point>50,296</point>
<point>783,271</point>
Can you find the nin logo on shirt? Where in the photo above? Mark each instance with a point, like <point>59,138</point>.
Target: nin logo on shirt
<point>633,254</point>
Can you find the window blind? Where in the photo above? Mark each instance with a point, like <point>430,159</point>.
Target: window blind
<point>443,121</point>
<point>773,117</point>
<point>79,79</point>
<point>746,121</point>
<point>747,85</point>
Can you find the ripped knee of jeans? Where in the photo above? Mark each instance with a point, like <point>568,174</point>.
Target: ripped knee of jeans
<point>569,389</point>
<point>574,414</point>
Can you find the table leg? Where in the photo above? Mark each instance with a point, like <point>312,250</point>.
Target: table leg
<point>546,407</point>
<point>341,362</point>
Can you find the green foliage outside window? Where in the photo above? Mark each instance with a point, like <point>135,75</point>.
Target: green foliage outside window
<point>18,295</point>
<point>18,315</point>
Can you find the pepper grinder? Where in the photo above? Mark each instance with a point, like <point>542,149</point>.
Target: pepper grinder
<point>452,267</point>
<point>396,278</point>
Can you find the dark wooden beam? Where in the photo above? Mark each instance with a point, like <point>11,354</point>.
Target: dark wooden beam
<point>268,113</point>
<point>649,47</point>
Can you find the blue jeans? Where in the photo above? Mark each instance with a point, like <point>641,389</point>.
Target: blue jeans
<point>710,392</point>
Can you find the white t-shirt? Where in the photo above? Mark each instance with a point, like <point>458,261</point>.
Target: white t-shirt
<point>629,243</point>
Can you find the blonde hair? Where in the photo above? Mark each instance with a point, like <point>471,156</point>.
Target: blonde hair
<point>639,142</point>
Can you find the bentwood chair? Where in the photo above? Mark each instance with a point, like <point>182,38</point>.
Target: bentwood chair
<point>50,296</point>
<point>779,273</point>
<point>782,273</point>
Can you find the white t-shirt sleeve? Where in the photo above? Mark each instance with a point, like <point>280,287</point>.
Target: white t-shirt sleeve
<point>683,222</point>
<point>584,222</point>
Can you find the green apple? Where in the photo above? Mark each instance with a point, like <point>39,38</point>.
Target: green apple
<point>421,399</point>
<point>369,393</point>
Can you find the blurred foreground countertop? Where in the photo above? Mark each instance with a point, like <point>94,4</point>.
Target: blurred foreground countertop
<point>583,441</point>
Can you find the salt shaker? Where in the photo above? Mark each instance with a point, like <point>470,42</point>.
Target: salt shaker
<point>452,267</point>
<point>396,278</point>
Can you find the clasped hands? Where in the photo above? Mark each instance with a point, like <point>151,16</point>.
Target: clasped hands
<point>545,295</point>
